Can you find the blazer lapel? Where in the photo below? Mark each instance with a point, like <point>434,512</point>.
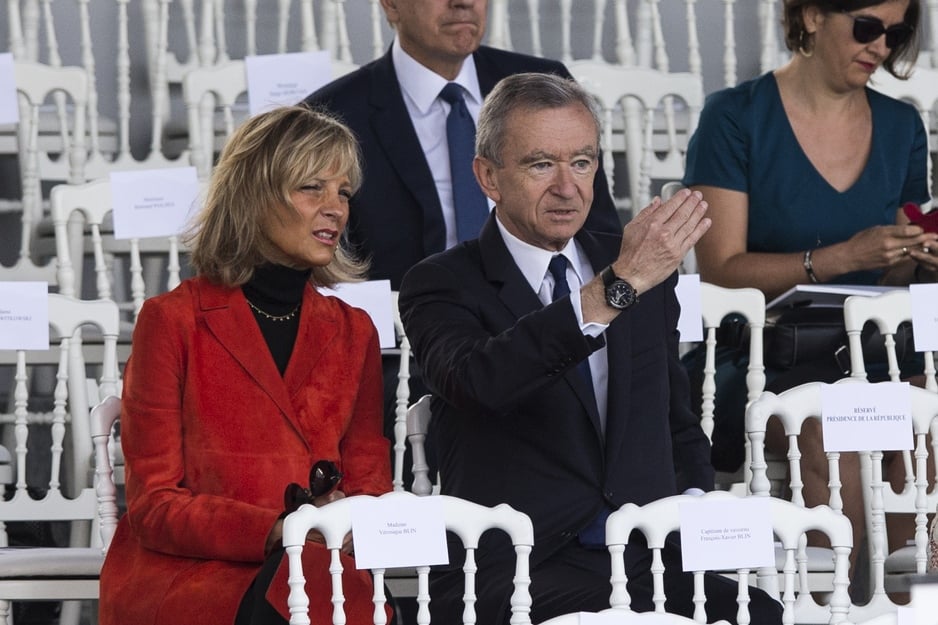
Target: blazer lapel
<point>391,124</point>
<point>515,292</point>
<point>602,250</point>
<point>316,333</point>
<point>229,319</point>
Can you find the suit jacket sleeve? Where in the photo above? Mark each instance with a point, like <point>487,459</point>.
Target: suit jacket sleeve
<point>690,446</point>
<point>476,360</point>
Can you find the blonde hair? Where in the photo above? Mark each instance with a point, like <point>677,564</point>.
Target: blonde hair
<point>265,159</point>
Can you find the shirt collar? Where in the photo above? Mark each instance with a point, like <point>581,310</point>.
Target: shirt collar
<point>423,85</point>
<point>533,261</point>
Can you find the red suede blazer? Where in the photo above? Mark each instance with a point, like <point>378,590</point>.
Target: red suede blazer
<point>212,434</point>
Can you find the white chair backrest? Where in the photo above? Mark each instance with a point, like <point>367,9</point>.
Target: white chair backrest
<point>630,98</point>
<point>888,311</point>
<point>418,422</point>
<point>772,52</point>
<point>69,412</point>
<point>792,407</point>
<point>716,303</point>
<point>35,82</point>
<point>103,418</point>
<point>402,396</point>
<point>918,496</point>
<point>627,617</point>
<point>465,519</point>
<point>789,523</point>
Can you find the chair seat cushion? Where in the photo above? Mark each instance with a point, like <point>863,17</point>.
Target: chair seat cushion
<point>18,562</point>
<point>820,559</point>
<point>901,560</point>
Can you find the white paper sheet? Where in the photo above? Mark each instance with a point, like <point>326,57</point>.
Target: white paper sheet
<point>153,202</point>
<point>24,315</point>
<point>9,108</point>
<point>866,417</point>
<point>726,534</point>
<point>923,607</point>
<point>374,297</point>
<point>283,79</point>
<point>924,316</point>
<point>391,534</point>
<point>823,294</point>
<point>690,323</point>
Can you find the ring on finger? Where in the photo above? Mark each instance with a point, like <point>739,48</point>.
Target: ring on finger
<point>926,249</point>
<point>905,251</point>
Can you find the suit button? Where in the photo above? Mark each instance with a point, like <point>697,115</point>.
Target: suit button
<point>608,494</point>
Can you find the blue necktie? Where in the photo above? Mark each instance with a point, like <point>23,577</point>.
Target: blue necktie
<point>472,208</point>
<point>593,536</point>
<point>558,269</point>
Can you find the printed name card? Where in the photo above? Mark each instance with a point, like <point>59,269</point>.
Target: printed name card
<point>690,323</point>
<point>283,79</point>
<point>391,534</point>
<point>24,315</point>
<point>374,297</point>
<point>726,534</point>
<point>923,607</point>
<point>924,316</point>
<point>866,417</point>
<point>9,108</point>
<point>615,618</point>
<point>153,202</point>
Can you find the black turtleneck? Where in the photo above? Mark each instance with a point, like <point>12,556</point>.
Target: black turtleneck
<point>278,291</point>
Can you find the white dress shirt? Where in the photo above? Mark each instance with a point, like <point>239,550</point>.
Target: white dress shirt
<point>533,262</point>
<point>421,88</point>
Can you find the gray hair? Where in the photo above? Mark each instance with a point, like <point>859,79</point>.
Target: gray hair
<point>530,92</point>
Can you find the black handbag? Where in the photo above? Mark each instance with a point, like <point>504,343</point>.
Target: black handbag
<point>811,334</point>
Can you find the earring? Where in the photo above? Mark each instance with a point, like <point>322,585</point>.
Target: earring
<point>802,50</point>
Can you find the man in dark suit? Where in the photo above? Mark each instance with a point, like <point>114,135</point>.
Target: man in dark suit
<point>504,328</point>
<point>404,210</point>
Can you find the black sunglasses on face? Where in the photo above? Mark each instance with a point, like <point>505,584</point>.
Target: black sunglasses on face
<point>868,29</point>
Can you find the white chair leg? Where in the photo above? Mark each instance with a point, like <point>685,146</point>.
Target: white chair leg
<point>71,613</point>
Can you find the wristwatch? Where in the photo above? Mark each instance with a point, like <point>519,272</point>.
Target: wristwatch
<point>619,293</point>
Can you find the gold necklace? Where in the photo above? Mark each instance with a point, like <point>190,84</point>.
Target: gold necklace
<point>286,317</point>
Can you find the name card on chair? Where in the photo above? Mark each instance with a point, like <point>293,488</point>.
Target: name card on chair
<point>924,316</point>
<point>857,416</point>
<point>690,323</point>
<point>282,79</point>
<point>9,107</point>
<point>374,297</point>
<point>726,534</point>
<point>153,202</point>
<point>390,534</point>
<point>24,315</point>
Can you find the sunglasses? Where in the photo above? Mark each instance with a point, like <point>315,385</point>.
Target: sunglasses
<point>323,478</point>
<point>868,29</point>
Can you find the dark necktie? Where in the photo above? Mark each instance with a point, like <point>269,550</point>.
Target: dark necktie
<point>472,208</point>
<point>593,536</point>
<point>558,269</point>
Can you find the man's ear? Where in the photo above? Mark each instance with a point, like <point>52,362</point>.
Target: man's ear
<point>484,170</point>
<point>390,10</point>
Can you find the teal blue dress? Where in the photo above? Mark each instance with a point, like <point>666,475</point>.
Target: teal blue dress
<point>744,142</point>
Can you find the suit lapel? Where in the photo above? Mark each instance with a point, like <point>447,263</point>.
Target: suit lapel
<point>515,292</point>
<point>391,124</point>
<point>316,333</point>
<point>601,251</point>
<point>229,319</point>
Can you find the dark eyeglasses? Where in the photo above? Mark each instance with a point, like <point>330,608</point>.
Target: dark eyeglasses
<point>323,478</point>
<point>868,29</point>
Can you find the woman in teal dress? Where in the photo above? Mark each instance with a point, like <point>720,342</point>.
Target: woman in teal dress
<point>805,170</point>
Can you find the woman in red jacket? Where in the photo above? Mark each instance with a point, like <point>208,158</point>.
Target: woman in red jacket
<point>239,381</point>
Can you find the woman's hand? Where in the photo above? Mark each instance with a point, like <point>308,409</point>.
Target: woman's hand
<point>884,246</point>
<point>274,538</point>
<point>927,258</point>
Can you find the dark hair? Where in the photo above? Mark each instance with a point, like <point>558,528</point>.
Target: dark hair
<point>530,91</point>
<point>903,55</point>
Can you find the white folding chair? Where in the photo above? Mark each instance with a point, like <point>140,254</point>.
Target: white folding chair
<point>465,519</point>
<point>92,201</point>
<point>63,573</point>
<point>627,617</point>
<point>888,311</point>
<point>632,98</point>
<point>402,395</point>
<point>789,523</point>
<point>918,496</point>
